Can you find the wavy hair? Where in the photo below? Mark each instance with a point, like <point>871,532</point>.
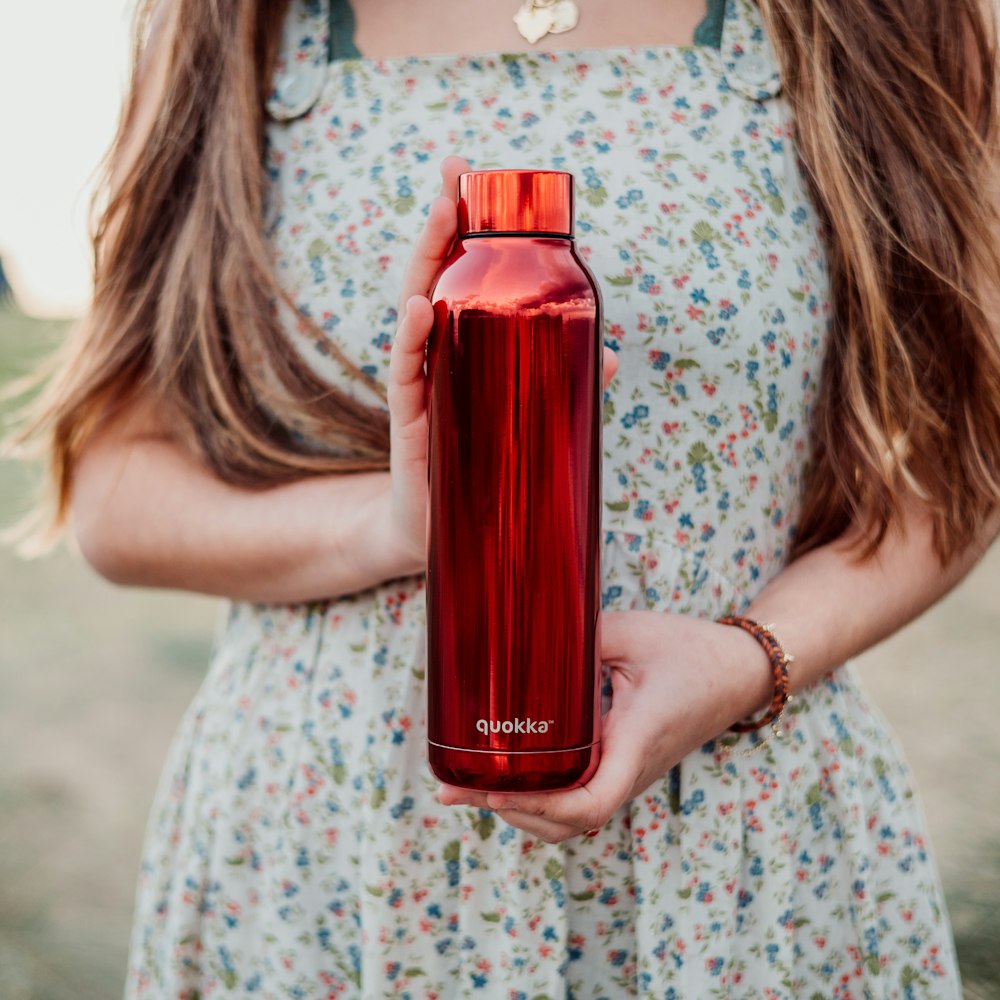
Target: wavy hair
<point>895,109</point>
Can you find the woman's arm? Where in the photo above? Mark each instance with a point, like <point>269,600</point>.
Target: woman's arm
<point>680,682</point>
<point>828,607</point>
<point>148,513</point>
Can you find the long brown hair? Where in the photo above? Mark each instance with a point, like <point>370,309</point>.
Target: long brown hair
<point>185,302</point>
<point>896,117</point>
<point>895,106</point>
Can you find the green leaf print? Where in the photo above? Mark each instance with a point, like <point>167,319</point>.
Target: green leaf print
<point>403,205</point>
<point>684,893</point>
<point>236,861</point>
<point>452,850</point>
<point>684,363</point>
<point>554,868</point>
<point>613,93</point>
<point>378,798</point>
<point>698,454</point>
<point>703,231</point>
<point>437,106</point>
<point>797,295</point>
<point>492,918</point>
<point>769,418</point>
<point>374,890</point>
<point>617,505</point>
<point>813,795</point>
<point>594,196</point>
<point>582,897</point>
<point>484,824</point>
<point>413,971</point>
<point>619,280</point>
<point>777,204</point>
<point>318,248</point>
<point>872,964</point>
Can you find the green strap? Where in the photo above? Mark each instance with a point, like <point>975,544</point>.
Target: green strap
<point>340,29</point>
<point>340,32</point>
<point>709,30</point>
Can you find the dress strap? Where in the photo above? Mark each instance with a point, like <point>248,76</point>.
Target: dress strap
<point>303,58</point>
<point>340,31</point>
<point>749,63</point>
<point>709,30</point>
<point>317,32</point>
<point>314,34</point>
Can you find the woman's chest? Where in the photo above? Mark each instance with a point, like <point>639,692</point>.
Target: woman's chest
<point>691,210</point>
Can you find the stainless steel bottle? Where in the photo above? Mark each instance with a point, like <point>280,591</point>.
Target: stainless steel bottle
<point>514,438</point>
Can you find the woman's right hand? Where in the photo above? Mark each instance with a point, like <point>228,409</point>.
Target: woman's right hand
<point>408,390</point>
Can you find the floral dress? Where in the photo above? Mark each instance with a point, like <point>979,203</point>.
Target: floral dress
<point>295,848</point>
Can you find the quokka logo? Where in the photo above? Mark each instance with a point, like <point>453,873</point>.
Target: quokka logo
<point>487,726</point>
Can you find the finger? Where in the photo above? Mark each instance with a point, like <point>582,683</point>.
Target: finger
<point>451,795</point>
<point>431,248</point>
<point>610,366</point>
<point>587,807</point>
<point>451,167</point>
<point>619,631</point>
<point>405,391</point>
<point>435,241</point>
<point>551,833</point>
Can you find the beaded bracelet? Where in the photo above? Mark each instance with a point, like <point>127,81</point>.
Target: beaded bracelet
<point>779,660</point>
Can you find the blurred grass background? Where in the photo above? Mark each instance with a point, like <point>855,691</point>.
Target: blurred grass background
<point>93,680</point>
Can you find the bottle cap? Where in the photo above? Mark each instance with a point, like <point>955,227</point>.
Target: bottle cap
<point>515,201</point>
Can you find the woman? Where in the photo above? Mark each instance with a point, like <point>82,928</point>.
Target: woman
<point>792,211</point>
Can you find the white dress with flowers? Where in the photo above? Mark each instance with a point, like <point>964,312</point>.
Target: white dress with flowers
<point>295,848</point>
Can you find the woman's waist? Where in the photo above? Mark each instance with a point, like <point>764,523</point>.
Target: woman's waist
<point>667,567</point>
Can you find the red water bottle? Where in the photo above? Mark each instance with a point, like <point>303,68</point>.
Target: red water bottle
<point>514,439</point>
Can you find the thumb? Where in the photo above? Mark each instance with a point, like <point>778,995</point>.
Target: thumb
<point>610,366</point>
<point>617,636</point>
<point>434,243</point>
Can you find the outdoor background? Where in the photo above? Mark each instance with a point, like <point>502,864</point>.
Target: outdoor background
<point>93,679</point>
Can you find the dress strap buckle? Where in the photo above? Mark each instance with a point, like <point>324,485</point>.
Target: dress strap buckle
<point>303,56</point>
<point>750,65</point>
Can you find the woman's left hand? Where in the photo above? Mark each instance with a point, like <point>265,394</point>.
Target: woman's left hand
<point>677,683</point>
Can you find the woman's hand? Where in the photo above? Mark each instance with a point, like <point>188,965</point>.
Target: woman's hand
<point>407,391</point>
<point>678,682</point>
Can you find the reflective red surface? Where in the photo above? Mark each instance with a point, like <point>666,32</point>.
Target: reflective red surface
<point>513,600</point>
<point>515,201</point>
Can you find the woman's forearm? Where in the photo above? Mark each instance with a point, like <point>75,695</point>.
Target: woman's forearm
<point>146,513</point>
<point>827,606</point>
<point>681,681</point>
